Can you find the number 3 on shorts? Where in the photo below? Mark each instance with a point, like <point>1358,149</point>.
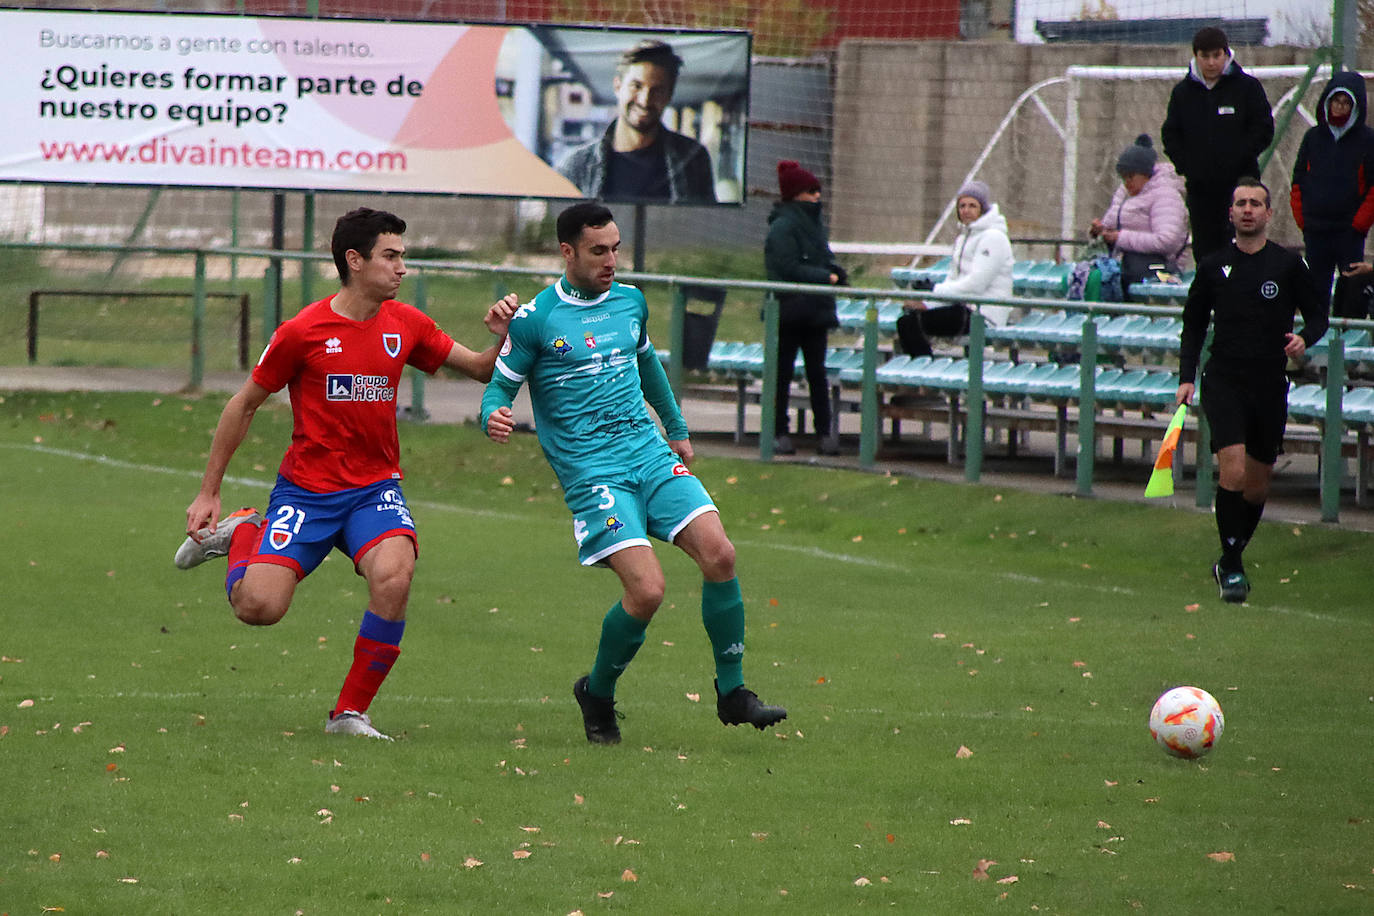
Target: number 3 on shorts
<point>607,500</point>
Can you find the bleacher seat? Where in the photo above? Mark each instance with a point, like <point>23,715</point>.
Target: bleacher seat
<point>1357,406</point>
<point>907,277</point>
<point>1160,293</point>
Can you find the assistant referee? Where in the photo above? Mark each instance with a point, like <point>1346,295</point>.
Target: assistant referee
<point>1249,290</point>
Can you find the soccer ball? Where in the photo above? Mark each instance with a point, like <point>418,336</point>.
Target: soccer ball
<point>1186,722</point>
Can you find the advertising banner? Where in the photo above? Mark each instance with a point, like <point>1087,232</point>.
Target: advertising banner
<point>353,105</point>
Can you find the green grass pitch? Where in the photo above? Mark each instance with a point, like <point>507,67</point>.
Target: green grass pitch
<point>158,757</point>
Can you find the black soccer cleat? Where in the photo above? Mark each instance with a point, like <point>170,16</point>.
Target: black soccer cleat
<point>598,714</point>
<point>742,706</point>
<point>1234,586</point>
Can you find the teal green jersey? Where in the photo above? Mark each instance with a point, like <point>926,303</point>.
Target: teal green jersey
<point>589,365</point>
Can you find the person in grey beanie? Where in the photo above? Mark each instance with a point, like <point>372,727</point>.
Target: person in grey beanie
<point>980,265</point>
<point>1146,223</point>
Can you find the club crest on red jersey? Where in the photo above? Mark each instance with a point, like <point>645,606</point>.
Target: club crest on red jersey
<point>392,343</point>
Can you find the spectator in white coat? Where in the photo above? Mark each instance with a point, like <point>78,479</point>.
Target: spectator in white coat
<point>1147,223</point>
<point>980,265</point>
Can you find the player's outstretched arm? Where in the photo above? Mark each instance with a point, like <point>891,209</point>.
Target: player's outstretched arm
<point>479,365</point>
<point>233,425</point>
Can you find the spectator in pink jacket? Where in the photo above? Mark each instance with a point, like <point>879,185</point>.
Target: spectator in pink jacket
<point>1146,224</point>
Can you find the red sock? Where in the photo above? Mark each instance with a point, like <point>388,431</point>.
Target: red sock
<point>372,661</point>
<point>243,543</point>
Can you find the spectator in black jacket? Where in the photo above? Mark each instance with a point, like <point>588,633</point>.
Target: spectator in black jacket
<point>1333,185</point>
<point>797,250</point>
<point>1218,123</point>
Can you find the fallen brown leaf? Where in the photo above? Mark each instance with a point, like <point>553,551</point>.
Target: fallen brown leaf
<point>980,871</point>
<point>628,875</point>
<point>1222,856</point>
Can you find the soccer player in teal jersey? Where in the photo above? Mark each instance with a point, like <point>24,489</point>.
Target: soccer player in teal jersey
<point>583,348</point>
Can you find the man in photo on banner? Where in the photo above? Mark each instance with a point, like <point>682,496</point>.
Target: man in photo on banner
<point>638,159</point>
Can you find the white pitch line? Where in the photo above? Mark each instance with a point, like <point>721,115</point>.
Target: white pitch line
<point>815,552</point>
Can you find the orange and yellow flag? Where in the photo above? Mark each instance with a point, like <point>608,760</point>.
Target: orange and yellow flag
<point>1162,477</point>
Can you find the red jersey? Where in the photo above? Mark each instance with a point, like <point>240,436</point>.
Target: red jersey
<point>343,376</point>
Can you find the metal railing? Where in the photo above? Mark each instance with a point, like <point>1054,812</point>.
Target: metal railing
<point>1330,453</point>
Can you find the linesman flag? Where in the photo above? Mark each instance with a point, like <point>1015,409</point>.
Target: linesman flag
<point>1162,477</point>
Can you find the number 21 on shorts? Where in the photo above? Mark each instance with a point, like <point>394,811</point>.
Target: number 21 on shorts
<point>285,526</point>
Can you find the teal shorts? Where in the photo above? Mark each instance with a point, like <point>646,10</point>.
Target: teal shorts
<point>624,508</point>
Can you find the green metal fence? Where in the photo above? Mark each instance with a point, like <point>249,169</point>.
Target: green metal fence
<point>870,418</point>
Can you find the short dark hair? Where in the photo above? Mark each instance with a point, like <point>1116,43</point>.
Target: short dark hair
<point>1210,38</point>
<point>1250,181</point>
<point>651,51</point>
<point>357,230</point>
<point>573,220</point>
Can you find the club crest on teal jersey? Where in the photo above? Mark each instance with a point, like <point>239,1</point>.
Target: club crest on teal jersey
<point>561,346</point>
<point>613,523</point>
<point>590,340</point>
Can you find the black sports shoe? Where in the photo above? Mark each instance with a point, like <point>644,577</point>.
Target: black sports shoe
<point>1234,586</point>
<point>742,706</point>
<point>598,714</point>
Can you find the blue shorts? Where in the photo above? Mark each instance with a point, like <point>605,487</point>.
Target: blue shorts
<point>302,526</point>
<point>625,508</point>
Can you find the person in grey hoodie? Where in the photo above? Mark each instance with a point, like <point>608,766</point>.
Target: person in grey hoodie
<point>1218,123</point>
<point>1332,194</point>
<point>797,250</point>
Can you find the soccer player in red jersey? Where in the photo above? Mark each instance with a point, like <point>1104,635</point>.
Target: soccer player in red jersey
<point>339,485</point>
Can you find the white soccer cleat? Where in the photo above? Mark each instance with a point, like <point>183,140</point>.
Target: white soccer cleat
<point>349,722</point>
<point>194,552</point>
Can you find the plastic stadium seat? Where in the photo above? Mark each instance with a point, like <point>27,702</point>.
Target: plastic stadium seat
<point>1307,401</point>
<point>838,359</point>
<point>1064,382</point>
<point>1017,331</point>
<point>889,373</point>
<point>889,310</point>
<point>1013,381</point>
<point>850,312</point>
<point>1159,388</point>
<point>1069,331</point>
<point>954,376</point>
<point>901,277</point>
<point>1116,332</point>
<point>1358,405</point>
<point>925,374</point>
<point>1159,334</point>
<point>1123,389</point>
<point>722,352</point>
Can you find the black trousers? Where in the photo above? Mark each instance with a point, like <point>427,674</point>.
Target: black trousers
<point>1209,215</point>
<point>916,327</point>
<point>1328,252</point>
<point>811,341</point>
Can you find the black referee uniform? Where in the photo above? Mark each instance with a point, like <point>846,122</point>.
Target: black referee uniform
<point>1250,299</point>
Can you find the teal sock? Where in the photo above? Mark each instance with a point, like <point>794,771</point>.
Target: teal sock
<point>621,637</point>
<point>722,613</point>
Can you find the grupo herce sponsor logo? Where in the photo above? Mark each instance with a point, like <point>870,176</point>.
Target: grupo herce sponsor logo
<point>342,387</point>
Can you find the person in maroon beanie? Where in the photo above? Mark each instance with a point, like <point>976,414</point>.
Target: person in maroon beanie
<point>797,250</point>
